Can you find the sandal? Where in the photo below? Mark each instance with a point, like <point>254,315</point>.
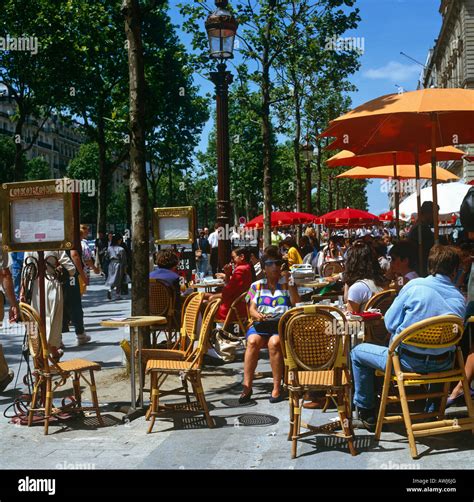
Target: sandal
<point>278,398</point>
<point>245,397</point>
<point>450,402</point>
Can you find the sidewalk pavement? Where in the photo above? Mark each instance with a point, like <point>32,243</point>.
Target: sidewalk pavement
<point>252,436</point>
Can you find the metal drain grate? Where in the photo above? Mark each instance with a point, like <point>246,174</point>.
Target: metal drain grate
<point>256,420</point>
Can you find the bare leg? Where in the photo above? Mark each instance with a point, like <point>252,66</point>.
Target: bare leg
<point>469,369</point>
<point>254,344</point>
<point>276,362</point>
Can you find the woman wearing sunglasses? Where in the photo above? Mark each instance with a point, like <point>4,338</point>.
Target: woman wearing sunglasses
<point>269,299</point>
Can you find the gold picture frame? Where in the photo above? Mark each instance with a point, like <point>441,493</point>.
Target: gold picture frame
<point>39,216</point>
<point>174,225</point>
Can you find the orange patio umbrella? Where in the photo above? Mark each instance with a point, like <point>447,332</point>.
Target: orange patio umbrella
<point>398,172</point>
<point>413,121</point>
<point>347,158</point>
<point>405,171</point>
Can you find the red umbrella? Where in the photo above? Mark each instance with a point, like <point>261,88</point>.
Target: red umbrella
<point>281,219</point>
<point>388,216</point>
<point>348,218</point>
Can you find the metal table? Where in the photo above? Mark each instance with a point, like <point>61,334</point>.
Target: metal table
<point>134,323</point>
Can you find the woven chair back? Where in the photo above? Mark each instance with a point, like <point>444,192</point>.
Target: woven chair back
<point>331,268</point>
<point>432,333</point>
<point>162,298</point>
<point>206,328</point>
<point>313,340</point>
<point>37,343</point>
<point>233,312</point>
<point>382,300</point>
<point>190,316</point>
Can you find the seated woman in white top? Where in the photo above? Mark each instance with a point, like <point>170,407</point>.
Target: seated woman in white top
<point>363,276</point>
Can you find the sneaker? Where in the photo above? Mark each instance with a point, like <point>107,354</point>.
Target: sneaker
<point>83,339</point>
<point>4,383</point>
<point>367,417</point>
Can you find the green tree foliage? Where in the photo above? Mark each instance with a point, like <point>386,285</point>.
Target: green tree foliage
<point>7,160</point>
<point>38,169</point>
<point>85,166</point>
<point>38,77</point>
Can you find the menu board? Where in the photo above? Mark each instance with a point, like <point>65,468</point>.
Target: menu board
<point>174,225</point>
<point>37,220</point>
<point>173,229</point>
<point>39,216</point>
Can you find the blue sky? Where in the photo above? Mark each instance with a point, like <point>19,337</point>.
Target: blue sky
<point>388,27</point>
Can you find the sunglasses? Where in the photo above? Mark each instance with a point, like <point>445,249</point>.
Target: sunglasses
<point>269,263</point>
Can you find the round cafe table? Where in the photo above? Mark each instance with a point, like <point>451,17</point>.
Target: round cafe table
<point>208,286</point>
<point>134,323</point>
<point>314,284</point>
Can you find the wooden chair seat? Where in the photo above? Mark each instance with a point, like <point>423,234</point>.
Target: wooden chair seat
<point>79,365</point>
<point>426,378</point>
<point>320,378</point>
<point>167,364</point>
<point>178,355</point>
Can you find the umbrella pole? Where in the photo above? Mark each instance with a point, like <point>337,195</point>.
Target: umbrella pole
<point>397,196</point>
<point>433,178</point>
<point>421,265</point>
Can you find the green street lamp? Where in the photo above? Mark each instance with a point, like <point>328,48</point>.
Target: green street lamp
<point>221,27</point>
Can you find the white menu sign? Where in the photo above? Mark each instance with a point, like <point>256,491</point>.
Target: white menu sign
<point>174,228</point>
<point>37,220</point>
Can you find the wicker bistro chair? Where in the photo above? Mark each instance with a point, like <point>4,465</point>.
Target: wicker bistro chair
<point>183,347</point>
<point>234,319</point>
<point>47,371</point>
<point>162,303</point>
<point>375,331</point>
<point>315,351</point>
<point>435,332</point>
<point>188,369</point>
<point>331,267</point>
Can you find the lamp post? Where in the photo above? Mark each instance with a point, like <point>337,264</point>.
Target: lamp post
<point>221,27</point>
<point>307,150</point>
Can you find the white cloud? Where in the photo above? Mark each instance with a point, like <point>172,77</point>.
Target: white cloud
<point>395,72</point>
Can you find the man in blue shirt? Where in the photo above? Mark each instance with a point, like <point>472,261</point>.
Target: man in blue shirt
<point>420,299</point>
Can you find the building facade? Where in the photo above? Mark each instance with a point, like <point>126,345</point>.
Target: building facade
<point>450,63</point>
<point>57,143</point>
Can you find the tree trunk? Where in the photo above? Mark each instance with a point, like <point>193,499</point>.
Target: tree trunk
<point>296,153</point>
<point>19,165</point>
<point>138,182</point>
<point>266,130</point>
<point>330,194</point>
<point>320,179</point>
<point>170,186</point>
<point>103,174</point>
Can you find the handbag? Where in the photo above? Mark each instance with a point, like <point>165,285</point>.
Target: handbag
<point>268,326</point>
<point>2,306</point>
<point>82,285</point>
<point>225,344</point>
<point>3,365</point>
<point>198,253</point>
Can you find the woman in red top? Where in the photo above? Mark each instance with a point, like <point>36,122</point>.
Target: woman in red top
<point>237,282</point>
